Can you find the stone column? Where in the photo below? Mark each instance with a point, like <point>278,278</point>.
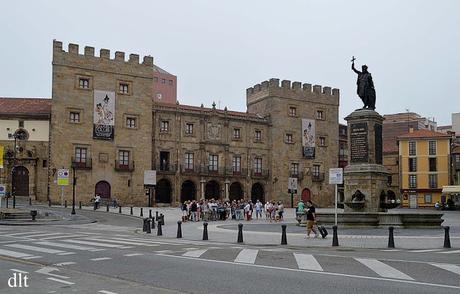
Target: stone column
<point>227,185</point>
<point>202,182</point>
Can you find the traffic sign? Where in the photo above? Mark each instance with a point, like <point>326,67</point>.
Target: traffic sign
<point>63,177</point>
<point>292,185</point>
<point>336,176</point>
<point>2,190</point>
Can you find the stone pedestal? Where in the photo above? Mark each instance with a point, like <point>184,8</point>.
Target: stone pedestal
<point>365,171</point>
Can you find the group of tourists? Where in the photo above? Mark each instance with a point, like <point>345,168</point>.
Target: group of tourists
<point>206,210</point>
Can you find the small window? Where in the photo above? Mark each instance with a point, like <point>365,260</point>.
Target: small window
<point>322,141</point>
<point>428,198</point>
<point>316,171</point>
<point>123,157</point>
<point>164,126</point>
<point>188,163</point>
<point>258,135</point>
<point>163,81</point>
<point>412,164</point>
<point>412,148</point>
<point>170,82</point>
<point>432,147</point>
<point>432,164</point>
<point>155,79</point>
<point>45,163</point>
<point>292,111</point>
<point>236,164</point>
<point>188,128</point>
<point>412,181</point>
<point>83,83</point>
<point>21,123</point>
<point>433,181</point>
<point>124,88</point>
<point>258,165</point>
<point>319,114</point>
<point>74,117</point>
<point>131,122</point>
<point>213,162</point>
<point>457,157</point>
<point>80,154</point>
<point>236,133</point>
<point>294,169</point>
<point>289,138</point>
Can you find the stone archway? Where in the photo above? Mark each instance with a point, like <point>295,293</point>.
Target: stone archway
<point>102,189</point>
<point>306,195</point>
<point>212,190</point>
<point>257,193</point>
<point>21,181</point>
<point>236,191</point>
<point>163,191</point>
<point>187,191</point>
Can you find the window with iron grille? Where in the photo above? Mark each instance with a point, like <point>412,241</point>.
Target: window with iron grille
<point>258,135</point>
<point>74,117</point>
<point>131,122</point>
<point>412,164</point>
<point>80,154</point>
<point>316,171</point>
<point>292,111</point>
<point>164,126</point>
<point>213,162</point>
<point>289,138</point>
<point>188,164</point>
<point>124,88</point>
<point>412,148</point>
<point>294,168</point>
<point>188,128</point>
<point>83,83</point>
<point>123,157</point>
<point>236,133</point>
<point>433,181</point>
<point>432,147</point>
<point>412,181</point>
<point>432,164</point>
<point>236,164</point>
<point>258,165</point>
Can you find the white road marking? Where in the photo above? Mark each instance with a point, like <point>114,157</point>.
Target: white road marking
<point>100,258</point>
<point>66,253</point>
<point>195,253</point>
<point>63,236</point>
<point>448,267</point>
<point>383,269</point>
<point>191,248</point>
<point>32,236</point>
<point>69,246</point>
<point>64,263</point>
<point>19,271</point>
<point>23,233</point>
<point>34,248</point>
<point>133,254</point>
<point>61,281</point>
<point>13,253</point>
<point>107,292</point>
<point>31,257</point>
<point>391,250</point>
<point>47,271</point>
<point>247,256</point>
<point>449,252</point>
<point>164,251</point>
<point>307,262</point>
<point>424,250</point>
<point>122,242</point>
<point>94,243</point>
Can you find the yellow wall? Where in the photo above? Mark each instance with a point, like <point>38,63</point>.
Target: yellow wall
<point>12,125</point>
<point>38,130</point>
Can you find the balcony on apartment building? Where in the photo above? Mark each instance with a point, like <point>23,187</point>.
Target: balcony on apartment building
<point>81,163</point>
<point>124,166</point>
<point>317,177</point>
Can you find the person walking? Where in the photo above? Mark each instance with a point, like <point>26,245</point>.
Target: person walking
<point>258,209</point>
<point>280,210</point>
<point>311,219</point>
<point>97,201</point>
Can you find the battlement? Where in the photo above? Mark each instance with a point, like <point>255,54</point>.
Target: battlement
<point>104,54</point>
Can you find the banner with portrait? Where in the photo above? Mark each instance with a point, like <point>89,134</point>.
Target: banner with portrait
<point>308,138</point>
<point>104,115</point>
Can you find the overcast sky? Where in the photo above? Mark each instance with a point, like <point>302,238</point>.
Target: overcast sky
<point>217,49</point>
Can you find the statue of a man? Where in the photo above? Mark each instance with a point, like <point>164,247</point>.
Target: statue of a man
<point>365,90</point>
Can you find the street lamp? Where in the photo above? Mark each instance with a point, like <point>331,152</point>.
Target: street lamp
<point>21,135</point>
<point>74,183</point>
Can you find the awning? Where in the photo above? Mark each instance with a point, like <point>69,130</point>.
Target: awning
<point>451,189</point>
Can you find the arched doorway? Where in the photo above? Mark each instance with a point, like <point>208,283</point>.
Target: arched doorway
<point>103,189</point>
<point>187,191</point>
<point>21,181</point>
<point>306,195</point>
<point>236,191</point>
<point>212,190</point>
<point>163,191</point>
<point>257,193</point>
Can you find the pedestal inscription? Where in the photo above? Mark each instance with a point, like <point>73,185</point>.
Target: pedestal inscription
<point>378,143</point>
<point>358,142</point>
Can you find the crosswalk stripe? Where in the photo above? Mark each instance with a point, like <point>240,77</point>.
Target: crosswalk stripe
<point>13,253</point>
<point>307,262</point>
<point>383,269</point>
<point>19,271</point>
<point>23,233</point>
<point>133,254</point>
<point>247,256</point>
<point>391,250</point>
<point>121,242</point>
<point>66,253</point>
<point>107,292</point>
<point>69,246</point>
<point>195,253</point>
<point>61,281</point>
<point>425,250</point>
<point>65,263</point>
<point>33,235</point>
<point>100,258</point>
<point>94,243</point>
<point>31,257</point>
<point>34,248</point>
<point>63,236</point>
<point>448,267</point>
<point>449,252</point>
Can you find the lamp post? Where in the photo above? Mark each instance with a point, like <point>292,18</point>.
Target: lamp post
<point>74,183</point>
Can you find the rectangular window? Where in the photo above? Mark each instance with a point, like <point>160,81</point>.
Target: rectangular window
<point>74,117</point>
<point>258,135</point>
<point>319,114</point>
<point>45,163</point>
<point>289,138</point>
<point>188,129</point>
<point>412,181</point>
<point>412,148</point>
<point>457,157</point>
<point>83,83</point>
<point>21,123</point>
<point>433,181</point>
<point>170,82</point>
<point>432,164</point>
<point>124,88</point>
<point>412,164</point>
<point>213,163</point>
<point>188,164</point>
<point>163,81</point>
<point>428,198</point>
<point>258,165</point>
<point>236,133</point>
<point>123,157</point>
<point>432,147</point>
<point>294,169</point>
<point>131,122</point>
<point>236,164</point>
<point>164,126</point>
<point>316,170</point>
<point>292,111</point>
<point>80,154</point>
<point>322,141</point>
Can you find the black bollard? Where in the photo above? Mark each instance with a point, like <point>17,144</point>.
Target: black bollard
<point>240,233</point>
<point>131,211</point>
<point>142,212</point>
<point>153,223</point>
<point>335,238</point>
<point>107,208</point>
<point>119,209</point>
<point>391,240</point>
<point>7,200</point>
<point>30,201</point>
<point>161,219</point>
<point>49,203</point>
<point>179,229</point>
<point>205,231</point>
<point>79,205</point>
<point>150,213</point>
<point>283,235</point>
<point>156,215</point>
<point>144,225</point>
<point>65,203</point>
<point>159,232</point>
<point>149,230</point>
<point>446,237</point>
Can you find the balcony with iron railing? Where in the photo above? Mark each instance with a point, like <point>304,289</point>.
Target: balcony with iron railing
<point>212,170</point>
<point>189,169</point>
<point>259,173</point>
<point>166,168</point>
<point>124,166</point>
<point>80,163</point>
<point>234,172</point>
<point>317,177</point>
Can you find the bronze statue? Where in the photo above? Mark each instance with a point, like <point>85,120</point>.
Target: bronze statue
<point>365,90</point>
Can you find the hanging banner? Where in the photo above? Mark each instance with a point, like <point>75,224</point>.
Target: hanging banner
<point>308,138</point>
<point>104,115</point>
<point>1,155</point>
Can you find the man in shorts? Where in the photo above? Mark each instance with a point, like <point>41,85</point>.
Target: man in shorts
<point>311,220</point>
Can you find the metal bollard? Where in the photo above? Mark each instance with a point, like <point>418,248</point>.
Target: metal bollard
<point>131,211</point>
<point>179,229</point>
<point>159,231</point>
<point>391,240</point>
<point>33,213</point>
<point>79,205</point>
<point>49,203</point>
<point>156,215</point>
<point>240,233</point>
<point>30,201</point>
<point>446,237</point>
<point>65,203</point>
<point>107,208</point>
<point>149,229</point>
<point>119,209</point>
<point>142,212</point>
<point>335,238</point>
<point>205,231</point>
<point>153,223</point>
<point>283,235</point>
<point>144,225</point>
<point>150,213</point>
